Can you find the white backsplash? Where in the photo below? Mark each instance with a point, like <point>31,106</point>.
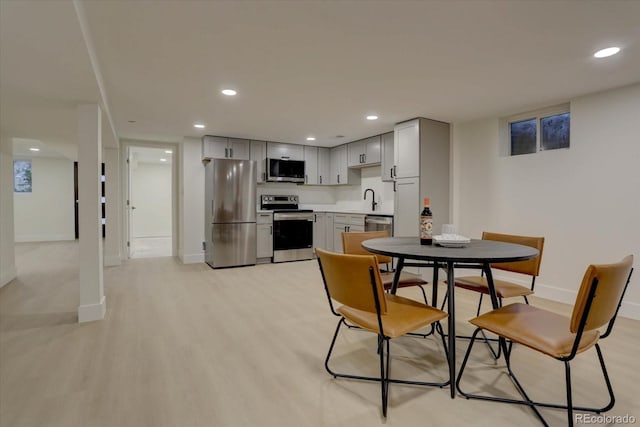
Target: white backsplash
<point>348,197</point>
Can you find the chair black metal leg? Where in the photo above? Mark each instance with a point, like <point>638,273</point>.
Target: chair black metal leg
<point>567,371</point>
<point>612,398</point>
<point>384,375</point>
<point>333,342</point>
<point>424,295</point>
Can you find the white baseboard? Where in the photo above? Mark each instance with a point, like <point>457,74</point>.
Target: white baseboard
<point>628,309</point>
<point>23,238</point>
<point>7,276</point>
<point>112,260</point>
<point>192,258</point>
<point>91,312</point>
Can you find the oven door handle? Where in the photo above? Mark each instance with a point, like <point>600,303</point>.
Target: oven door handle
<point>285,216</point>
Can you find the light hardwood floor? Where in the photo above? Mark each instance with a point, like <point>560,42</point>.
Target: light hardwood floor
<point>185,345</point>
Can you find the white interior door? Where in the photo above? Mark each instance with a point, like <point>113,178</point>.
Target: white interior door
<point>130,205</point>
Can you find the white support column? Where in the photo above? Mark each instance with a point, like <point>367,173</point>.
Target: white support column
<point>112,254</point>
<point>7,237</point>
<point>92,301</point>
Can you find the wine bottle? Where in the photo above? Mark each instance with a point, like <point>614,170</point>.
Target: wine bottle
<point>426,224</point>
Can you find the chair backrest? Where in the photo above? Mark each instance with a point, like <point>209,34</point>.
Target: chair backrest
<point>531,266</point>
<point>611,280</point>
<point>352,243</point>
<point>347,279</point>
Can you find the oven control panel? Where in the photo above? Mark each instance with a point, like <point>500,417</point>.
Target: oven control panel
<point>277,202</point>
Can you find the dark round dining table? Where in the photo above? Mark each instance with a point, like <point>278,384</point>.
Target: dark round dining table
<point>475,254</point>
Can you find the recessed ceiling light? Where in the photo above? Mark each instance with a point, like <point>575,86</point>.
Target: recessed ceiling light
<point>168,151</point>
<point>34,149</point>
<point>229,92</point>
<point>163,160</point>
<point>198,125</point>
<point>372,117</point>
<point>311,138</point>
<point>603,53</point>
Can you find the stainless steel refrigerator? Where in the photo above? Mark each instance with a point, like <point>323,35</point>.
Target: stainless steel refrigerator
<point>230,212</point>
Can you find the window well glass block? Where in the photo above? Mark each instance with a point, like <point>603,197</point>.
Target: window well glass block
<point>555,131</point>
<point>523,137</point>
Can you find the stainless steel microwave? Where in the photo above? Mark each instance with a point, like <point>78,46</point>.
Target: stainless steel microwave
<point>284,170</point>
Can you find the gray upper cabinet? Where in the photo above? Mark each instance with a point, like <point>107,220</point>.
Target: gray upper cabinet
<point>324,166</point>
<point>407,149</point>
<point>386,168</point>
<point>365,152</point>
<point>280,150</point>
<point>219,147</point>
<point>340,174</point>
<point>258,152</point>
<point>338,165</point>
<point>310,165</point>
<point>240,148</point>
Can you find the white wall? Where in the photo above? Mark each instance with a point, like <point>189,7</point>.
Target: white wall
<point>7,254</point>
<point>191,201</point>
<point>151,195</point>
<point>583,200</point>
<point>47,213</point>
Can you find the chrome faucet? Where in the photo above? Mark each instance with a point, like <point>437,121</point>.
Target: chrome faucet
<point>373,201</point>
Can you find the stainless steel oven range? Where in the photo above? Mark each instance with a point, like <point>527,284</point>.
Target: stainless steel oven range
<point>292,228</point>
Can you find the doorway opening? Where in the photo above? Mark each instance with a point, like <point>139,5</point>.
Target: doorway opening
<point>150,202</point>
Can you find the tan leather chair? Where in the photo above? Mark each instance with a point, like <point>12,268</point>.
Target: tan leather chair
<point>599,297</point>
<point>355,282</point>
<point>505,288</point>
<point>352,244</point>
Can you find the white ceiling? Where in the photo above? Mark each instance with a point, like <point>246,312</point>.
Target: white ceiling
<point>302,67</point>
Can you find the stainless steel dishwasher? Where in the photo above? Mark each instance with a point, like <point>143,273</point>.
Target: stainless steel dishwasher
<point>378,223</point>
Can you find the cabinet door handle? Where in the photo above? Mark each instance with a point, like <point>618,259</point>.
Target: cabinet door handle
<point>391,172</point>
<point>320,179</point>
<point>264,176</point>
<point>364,158</point>
<point>231,151</point>
<point>395,172</point>
<point>271,230</point>
<point>338,178</point>
<point>226,153</point>
<point>394,186</point>
<point>306,178</point>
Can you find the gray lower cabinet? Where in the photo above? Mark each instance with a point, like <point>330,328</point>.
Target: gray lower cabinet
<point>345,223</point>
<point>264,237</point>
<point>329,231</point>
<point>320,230</point>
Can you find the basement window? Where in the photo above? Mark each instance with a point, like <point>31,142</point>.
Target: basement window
<point>22,176</point>
<point>540,130</point>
